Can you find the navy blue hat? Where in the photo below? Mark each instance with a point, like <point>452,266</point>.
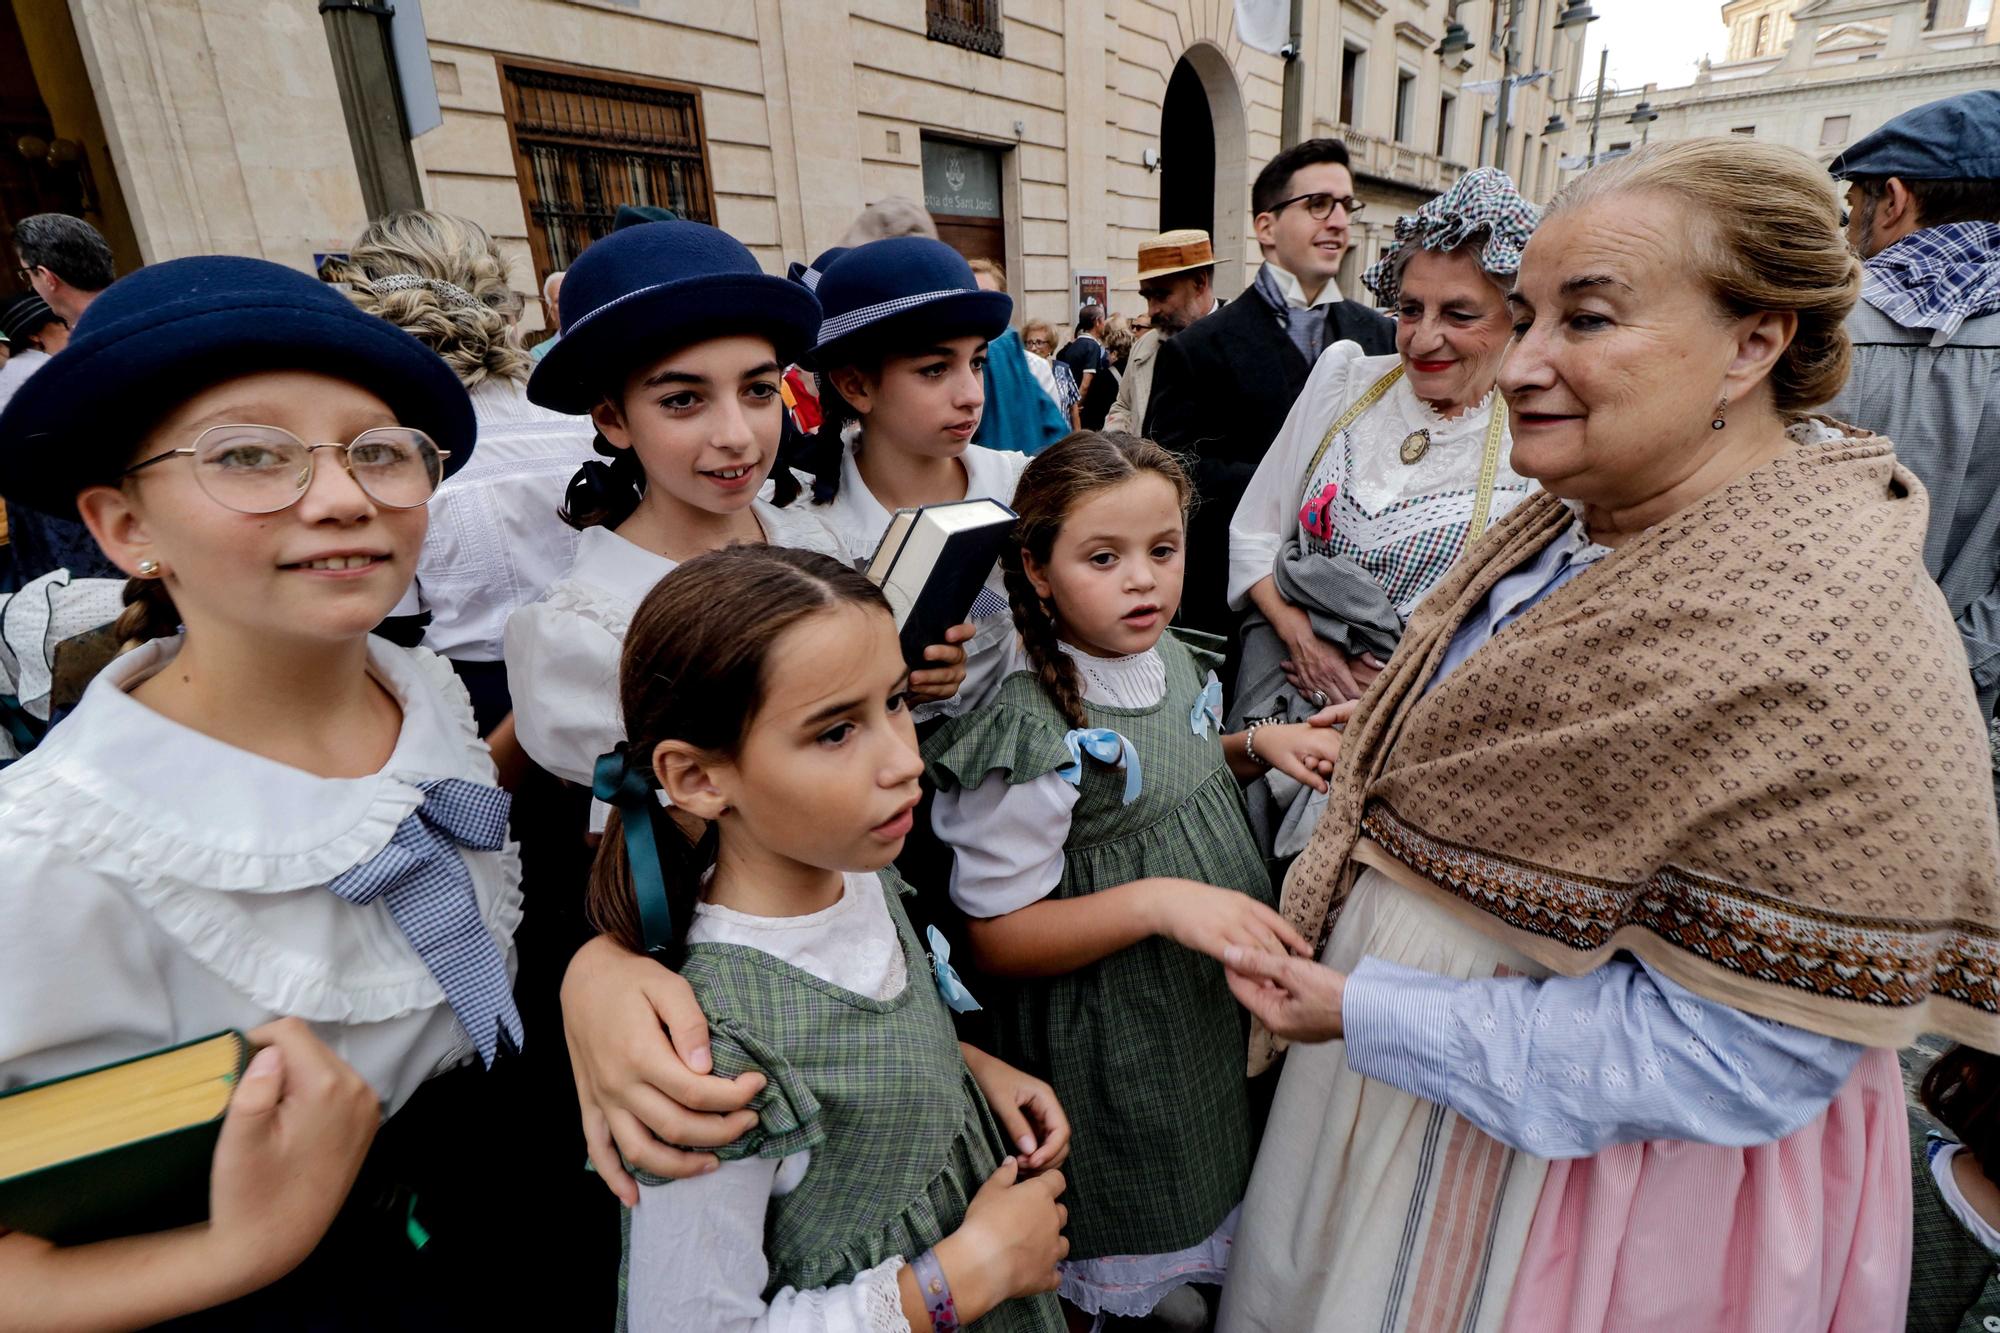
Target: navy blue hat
<point>1957,139</point>
<point>160,334</point>
<point>666,284</point>
<point>809,275</point>
<point>24,317</point>
<point>636,215</point>
<point>901,292</point>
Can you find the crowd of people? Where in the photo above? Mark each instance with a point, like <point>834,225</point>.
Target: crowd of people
<point>1442,815</point>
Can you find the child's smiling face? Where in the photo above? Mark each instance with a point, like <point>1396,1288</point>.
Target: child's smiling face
<point>705,421</point>
<point>826,775</point>
<point>1114,572</point>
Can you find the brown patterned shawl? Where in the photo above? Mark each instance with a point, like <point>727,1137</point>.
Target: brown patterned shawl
<point>1744,747</point>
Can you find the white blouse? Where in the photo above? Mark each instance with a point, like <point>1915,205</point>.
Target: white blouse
<point>697,1246</point>
<point>162,885</point>
<point>563,650</point>
<point>858,519</point>
<point>1410,518</point>
<point>1007,838</point>
<point>496,539</point>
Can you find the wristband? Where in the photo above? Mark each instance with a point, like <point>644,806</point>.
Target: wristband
<point>936,1292</point>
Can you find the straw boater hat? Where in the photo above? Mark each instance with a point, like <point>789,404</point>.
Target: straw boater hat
<point>1174,252</point>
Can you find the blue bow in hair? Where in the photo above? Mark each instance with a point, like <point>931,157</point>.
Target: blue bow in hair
<point>956,996</point>
<point>1107,747</point>
<point>1206,716</point>
<point>423,881</point>
<point>628,788</point>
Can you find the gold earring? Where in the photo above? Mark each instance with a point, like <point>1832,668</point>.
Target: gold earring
<point>149,568</point>
<point>1720,408</point>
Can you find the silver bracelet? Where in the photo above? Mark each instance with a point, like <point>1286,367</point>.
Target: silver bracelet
<point>1250,743</point>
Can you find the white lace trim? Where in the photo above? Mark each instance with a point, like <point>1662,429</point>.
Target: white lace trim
<point>186,885</point>
<point>882,1298</point>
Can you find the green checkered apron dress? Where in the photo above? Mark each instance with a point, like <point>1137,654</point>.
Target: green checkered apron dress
<point>900,1135</point>
<point>1145,1048</point>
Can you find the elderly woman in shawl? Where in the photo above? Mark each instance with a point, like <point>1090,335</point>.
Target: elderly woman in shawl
<point>1665,826</point>
<point>1386,468</point>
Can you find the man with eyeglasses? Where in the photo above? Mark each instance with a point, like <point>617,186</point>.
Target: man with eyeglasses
<point>1222,387</point>
<point>65,260</point>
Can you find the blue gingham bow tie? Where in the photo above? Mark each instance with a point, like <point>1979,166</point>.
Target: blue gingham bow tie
<point>1206,715</point>
<point>1107,747</point>
<point>428,890</point>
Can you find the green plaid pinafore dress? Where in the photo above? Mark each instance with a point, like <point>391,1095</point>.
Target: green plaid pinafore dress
<point>900,1135</point>
<point>1145,1048</point>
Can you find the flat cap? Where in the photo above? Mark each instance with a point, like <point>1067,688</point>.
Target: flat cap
<point>1956,139</point>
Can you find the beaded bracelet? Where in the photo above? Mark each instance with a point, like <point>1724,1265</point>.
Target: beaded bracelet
<point>936,1292</point>
<point>1250,744</point>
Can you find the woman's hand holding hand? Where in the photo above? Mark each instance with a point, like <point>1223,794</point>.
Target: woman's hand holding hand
<point>942,681</point>
<point>1300,750</point>
<point>292,1142</point>
<point>1212,920</point>
<point>1295,998</point>
<point>1026,1108</point>
<point>642,1089</point>
<point>1009,1243</point>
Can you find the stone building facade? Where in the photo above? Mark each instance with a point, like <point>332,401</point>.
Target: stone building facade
<point>1813,74</point>
<point>1051,134</point>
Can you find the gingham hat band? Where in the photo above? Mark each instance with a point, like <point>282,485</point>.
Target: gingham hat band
<point>839,326</point>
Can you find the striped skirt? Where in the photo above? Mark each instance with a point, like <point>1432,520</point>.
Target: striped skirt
<point>1369,1209</point>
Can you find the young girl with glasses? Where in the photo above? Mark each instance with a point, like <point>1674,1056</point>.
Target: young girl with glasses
<point>259,817</point>
<point>892,1178</point>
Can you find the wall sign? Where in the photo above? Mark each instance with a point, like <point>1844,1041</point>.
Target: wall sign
<point>961,179</point>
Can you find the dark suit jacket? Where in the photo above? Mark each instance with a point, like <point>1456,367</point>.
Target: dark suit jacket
<point>1221,390</point>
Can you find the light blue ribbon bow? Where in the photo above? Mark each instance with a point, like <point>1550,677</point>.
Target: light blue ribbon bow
<point>1107,747</point>
<point>423,881</point>
<point>1206,716</point>
<point>956,996</point>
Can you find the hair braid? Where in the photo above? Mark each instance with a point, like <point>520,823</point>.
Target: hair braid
<point>149,614</point>
<point>1053,667</point>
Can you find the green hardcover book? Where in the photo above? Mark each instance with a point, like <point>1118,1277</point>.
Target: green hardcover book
<point>117,1150</point>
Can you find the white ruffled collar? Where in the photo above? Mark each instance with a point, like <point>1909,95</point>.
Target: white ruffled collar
<point>242,822</point>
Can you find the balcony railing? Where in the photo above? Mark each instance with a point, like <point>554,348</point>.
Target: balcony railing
<point>1388,160</point>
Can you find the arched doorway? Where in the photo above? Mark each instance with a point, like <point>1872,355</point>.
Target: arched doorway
<point>1203,158</point>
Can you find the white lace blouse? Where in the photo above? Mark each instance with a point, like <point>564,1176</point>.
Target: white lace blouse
<point>1405,523</point>
<point>562,650</point>
<point>160,885</point>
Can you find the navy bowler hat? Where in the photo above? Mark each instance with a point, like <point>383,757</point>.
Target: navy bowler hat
<point>901,292</point>
<point>1957,139</point>
<point>808,275</point>
<point>161,334</point>
<point>662,285</point>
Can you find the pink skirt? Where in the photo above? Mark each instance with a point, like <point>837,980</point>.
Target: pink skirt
<point>1810,1234</point>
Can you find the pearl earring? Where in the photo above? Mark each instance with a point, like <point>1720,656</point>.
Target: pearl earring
<point>1720,408</point>
<point>149,568</point>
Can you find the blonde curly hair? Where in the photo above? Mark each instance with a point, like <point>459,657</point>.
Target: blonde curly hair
<point>443,280</point>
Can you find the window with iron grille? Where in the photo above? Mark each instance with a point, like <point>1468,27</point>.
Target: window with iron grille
<point>973,24</point>
<point>584,144</point>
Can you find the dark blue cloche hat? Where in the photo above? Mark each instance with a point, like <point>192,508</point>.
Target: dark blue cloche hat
<point>1956,139</point>
<point>900,292</point>
<point>166,331</point>
<point>647,289</point>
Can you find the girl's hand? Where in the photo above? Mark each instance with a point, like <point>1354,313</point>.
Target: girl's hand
<point>292,1142</point>
<point>1026,1108</point>
<point>1335,715</point>
<point>1295,998</point>
<point>642,1089</point>
<point>942,681</point>
<point>1300,750</point>
<point>1009,1243</point>
<point>1210,920</point>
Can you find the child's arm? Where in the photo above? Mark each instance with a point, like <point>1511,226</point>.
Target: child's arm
<point>696,1258</point>
<point>292,1141</point>
<point>1059,935</point>
<point>1305,751</point>
<point>1017,1098</point>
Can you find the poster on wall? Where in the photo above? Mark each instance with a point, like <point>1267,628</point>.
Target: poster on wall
<point>1090,285</point>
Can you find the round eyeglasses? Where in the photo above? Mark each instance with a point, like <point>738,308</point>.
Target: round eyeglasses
<point>1320,205</point>
<point>263,469</point>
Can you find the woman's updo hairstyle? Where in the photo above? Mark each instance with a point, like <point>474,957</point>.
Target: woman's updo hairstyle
<point>1767,236</point>
<point>441,279</point>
